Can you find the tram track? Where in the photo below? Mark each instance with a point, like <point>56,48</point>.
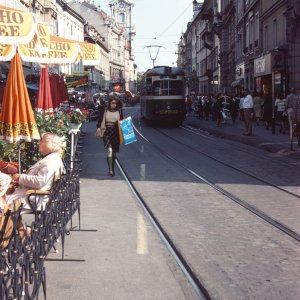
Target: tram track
<point>207,135</point>
<point>198,287</point>
<point>230,166</point>
<point>253,209</point>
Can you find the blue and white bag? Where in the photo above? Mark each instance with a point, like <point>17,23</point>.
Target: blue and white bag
<point>127,131</point>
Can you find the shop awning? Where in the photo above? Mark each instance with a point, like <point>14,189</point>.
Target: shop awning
<point>238,82</point>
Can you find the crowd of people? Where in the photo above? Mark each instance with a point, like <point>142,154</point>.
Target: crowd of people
<point>249,107</point>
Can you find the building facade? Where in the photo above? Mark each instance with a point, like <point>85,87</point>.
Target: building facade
<point>252,44</point>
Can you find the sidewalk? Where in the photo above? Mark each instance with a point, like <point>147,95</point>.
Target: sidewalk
<point>117,254</point>
<point>264,139</point>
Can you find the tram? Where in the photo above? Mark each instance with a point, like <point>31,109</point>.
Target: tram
<point>162,95</point>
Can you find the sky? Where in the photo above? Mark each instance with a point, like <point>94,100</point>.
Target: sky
<point>157,22</point>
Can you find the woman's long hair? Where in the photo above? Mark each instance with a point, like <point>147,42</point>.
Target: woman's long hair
<point>119,103</point>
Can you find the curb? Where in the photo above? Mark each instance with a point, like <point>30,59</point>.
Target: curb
<point>253,141</point>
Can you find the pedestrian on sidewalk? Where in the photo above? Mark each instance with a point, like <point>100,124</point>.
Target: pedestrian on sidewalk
<point>258,102</point>
<point>296,114</point>
<point>234,108</point>
<point>111,138</point>
<point>267,108</point>
<point>280,109</point>
<point>241,111</point>
<point>188,103</point>
<point>206,107</point>
<point>289,104</point>
<point>247,107</point>
<point>217,108</point>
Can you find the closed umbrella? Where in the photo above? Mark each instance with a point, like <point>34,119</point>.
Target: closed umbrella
<point>58,91</point>
<point>63,89</point>
<point>44,102</point>
<point>54,92</point>
<point>17,122</point>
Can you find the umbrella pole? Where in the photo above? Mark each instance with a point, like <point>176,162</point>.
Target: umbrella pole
<point>19,157</point>
<point>72,150</point>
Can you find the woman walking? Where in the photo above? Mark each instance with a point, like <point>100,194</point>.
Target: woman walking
<point>280,109</point>
<point>258,102</point>
<point>111,139</point>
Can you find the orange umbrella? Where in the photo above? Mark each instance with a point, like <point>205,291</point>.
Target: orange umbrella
<point>17,119</point>
<point>44,102</point>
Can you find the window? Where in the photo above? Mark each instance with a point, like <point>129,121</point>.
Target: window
<point>167,87</point>
<point>256,35</point>
<point>266,36</point>
<point>284,33</point>
<point>274,33</point>
<point>251,33</point>
<point>247,35</point>
<point>122,18</point>
<point>148,86</point>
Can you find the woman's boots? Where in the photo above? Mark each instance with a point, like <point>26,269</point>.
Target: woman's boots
<point>111,166</point>
<point>111,162</point>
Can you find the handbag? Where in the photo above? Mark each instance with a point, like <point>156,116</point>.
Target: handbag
<point>100,131</point>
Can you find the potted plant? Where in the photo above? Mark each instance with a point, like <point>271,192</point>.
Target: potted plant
<point>75,117</point>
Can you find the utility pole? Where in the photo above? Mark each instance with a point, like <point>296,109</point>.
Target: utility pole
<point>153,57</point>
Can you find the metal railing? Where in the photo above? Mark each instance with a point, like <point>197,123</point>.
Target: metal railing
<point>22,269</point>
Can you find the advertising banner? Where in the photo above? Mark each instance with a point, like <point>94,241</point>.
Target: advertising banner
<point>60,51</point>
<point>90,53</point>
<point>7,52</point>
<point>16,27</point>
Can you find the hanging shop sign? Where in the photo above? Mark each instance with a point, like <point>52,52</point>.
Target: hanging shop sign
<point>60,51</point>
<point>7,52</point>
<point>262,65</point>
<point>77,80</point>
<point>16,27</point>
<point>42,38</point>
<point>90,53</point>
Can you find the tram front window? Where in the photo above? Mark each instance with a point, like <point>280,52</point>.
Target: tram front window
<point>167,87</point>
<point>175,87</point>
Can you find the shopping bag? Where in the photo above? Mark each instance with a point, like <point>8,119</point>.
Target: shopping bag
<point>127,131</point>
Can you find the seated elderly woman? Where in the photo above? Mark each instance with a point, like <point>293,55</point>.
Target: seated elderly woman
<point>5,181</point>
<point>42,174</point>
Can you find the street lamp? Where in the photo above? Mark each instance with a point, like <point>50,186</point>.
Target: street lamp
<point>153,57</point>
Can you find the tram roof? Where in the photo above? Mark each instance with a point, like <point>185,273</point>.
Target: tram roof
<point>164,70</point>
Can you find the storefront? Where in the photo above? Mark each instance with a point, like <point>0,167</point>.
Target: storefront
<point>270,80</point>
<point>269,74</point>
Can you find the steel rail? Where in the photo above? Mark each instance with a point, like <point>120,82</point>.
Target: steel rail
<point>290,232</point>
<point>230,166</point>
<point>199,289</point>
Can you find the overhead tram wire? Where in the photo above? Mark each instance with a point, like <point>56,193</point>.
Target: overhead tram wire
<point>173,22</point>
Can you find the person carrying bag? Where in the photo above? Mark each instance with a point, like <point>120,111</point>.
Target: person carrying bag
<point>107,126</point>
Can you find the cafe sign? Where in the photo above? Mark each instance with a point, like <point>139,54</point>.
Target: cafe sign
<point>60,51</point>
<point>90,54</point>
<point>16,27</point>
<point>7,52</point>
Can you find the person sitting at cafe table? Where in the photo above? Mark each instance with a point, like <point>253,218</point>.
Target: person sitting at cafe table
<point>42,174</point>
